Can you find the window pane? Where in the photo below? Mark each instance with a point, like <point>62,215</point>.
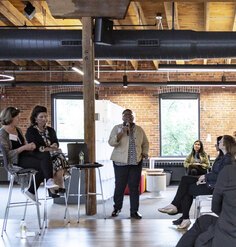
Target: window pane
<point>69,118</point>
<point>179,125</point>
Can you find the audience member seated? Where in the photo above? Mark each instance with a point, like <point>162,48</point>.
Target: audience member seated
<point>192,186</point>
<point>45,139</point>
<point>209,230</point>
<point>21,154</point>
<point>197,161</point>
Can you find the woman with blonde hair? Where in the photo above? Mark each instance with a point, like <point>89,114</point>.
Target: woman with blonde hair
<point>21,154</point>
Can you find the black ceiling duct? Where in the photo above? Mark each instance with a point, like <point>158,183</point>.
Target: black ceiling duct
<point>103,31</point>
<point>127,44</point>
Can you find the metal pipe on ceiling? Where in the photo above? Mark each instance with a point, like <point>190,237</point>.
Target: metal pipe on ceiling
<point>126,44</point>
<point>161,69</point>
<point>120,84</point>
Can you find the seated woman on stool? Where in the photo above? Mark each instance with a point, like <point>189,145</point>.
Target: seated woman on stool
<point>20,153</point>
<point>209,230</point>
<point>45,139</point>
<point>191,186</point>
<point>197,162</point>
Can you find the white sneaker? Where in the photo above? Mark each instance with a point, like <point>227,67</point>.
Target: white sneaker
<point>51,185</point>
<point>185,224</point>
<point>30,197</point>
<point>170,209</point>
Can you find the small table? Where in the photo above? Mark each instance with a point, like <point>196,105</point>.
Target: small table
<point>156,182</point>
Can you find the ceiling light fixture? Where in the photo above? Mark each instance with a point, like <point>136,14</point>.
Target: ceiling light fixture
<point>29,10</point>
<point>196,68</point>
<point>159,16</point>
<point>6,77</point>
<point>159,21</point>
<point>82,73</point>
<point>125,81</point>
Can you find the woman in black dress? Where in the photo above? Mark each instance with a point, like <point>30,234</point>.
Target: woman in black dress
<point>45,139</point>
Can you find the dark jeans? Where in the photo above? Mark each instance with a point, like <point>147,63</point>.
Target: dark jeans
<point>40,161</point>
<point>131,175</point>
<point>187,190</point>
<point>190,238</point>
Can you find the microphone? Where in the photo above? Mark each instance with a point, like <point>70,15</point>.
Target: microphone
<point>126,124</point>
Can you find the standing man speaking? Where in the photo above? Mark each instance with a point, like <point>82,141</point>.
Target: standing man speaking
<point>130,147</point>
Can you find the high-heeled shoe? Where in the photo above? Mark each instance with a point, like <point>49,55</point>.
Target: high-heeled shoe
<point>184,224</point>
<point>178,221</point>
<point>62,190</point>
<point>53,195</point>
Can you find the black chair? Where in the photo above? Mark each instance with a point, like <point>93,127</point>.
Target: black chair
<point>74,151</point>
<point>18,174</point>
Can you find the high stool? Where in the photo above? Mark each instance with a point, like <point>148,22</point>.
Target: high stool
<point>46,198</point>
<point>17,173</point>
<point>81,167</point>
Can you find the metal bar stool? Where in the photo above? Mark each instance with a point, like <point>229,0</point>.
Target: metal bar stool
<point>17,173</point>
<point>81,167</point>
<point>202,202</point>
<point>46,198</point>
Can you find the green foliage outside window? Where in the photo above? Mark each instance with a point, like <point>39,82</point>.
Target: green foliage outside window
<point>179,126</point>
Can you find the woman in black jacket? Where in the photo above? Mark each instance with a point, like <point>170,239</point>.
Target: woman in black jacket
<point>192,186</point>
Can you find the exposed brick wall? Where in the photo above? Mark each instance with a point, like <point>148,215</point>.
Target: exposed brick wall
<point>217,108</point>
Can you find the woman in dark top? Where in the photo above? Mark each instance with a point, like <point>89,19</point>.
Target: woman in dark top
<point>20,153</point>
<point>191,186</point>
<point>212,231</point>
<point>46,141</point>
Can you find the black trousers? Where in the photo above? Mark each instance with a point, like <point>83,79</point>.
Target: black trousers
<point>191,237</point>
<point>187,190</point>
<point>131,175</point>
<point>40,161</point>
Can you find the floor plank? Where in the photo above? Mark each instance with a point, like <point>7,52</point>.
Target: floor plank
<point>154,230</point>
<point>98,232</point>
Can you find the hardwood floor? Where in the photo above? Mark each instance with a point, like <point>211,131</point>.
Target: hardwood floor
<point>154,230</point>
<point>98,232</point>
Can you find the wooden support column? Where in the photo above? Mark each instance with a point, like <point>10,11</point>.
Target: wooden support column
<point>89,108</point>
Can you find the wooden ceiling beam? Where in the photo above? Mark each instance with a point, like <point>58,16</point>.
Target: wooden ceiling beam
<point>206,15</point>
<point>168,12</point>
<point>139,13</point>
<point>19,63</point>
<point>2,23</point>
<point>156,64</point>
<point>63,64</point>
<point>44,16</point>
<point>13,14</point>
<point>134,64</point>
<point>141,21</point>
<point>206,21</point>
<point>229,60</point>
<point>41,64</point>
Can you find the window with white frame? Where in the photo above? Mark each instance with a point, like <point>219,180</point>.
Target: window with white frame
<point>68,118</point>
<point>179,123</point>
